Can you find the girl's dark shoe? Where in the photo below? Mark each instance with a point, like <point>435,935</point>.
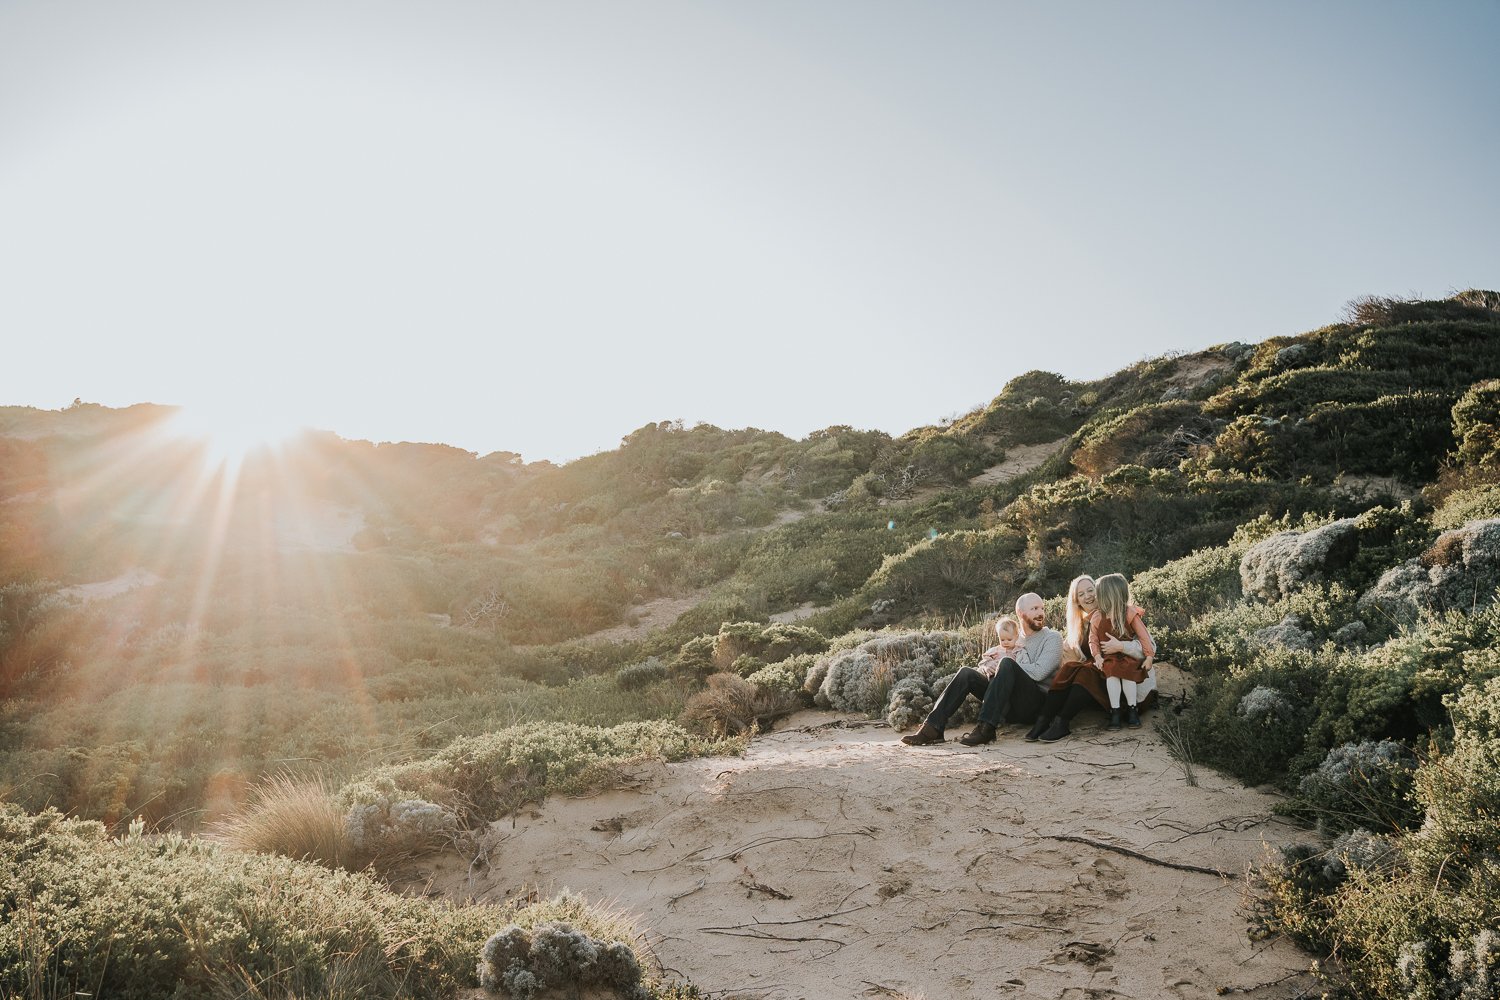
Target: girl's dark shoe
<point>1038,729</point>
<point>1056,731</point>
<point>1133,718</point>
<point>924,737</point>
<point>982,734</point>
<point>1114,718</point>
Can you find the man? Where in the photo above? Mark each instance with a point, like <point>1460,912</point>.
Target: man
<point>1013,693</point>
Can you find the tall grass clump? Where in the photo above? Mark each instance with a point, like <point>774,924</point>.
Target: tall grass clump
<point>293,817</point>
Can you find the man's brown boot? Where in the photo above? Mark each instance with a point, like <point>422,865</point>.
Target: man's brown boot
<point>982,734</point>
<point>924,737</point>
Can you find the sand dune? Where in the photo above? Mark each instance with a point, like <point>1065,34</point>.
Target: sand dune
<point>831,861</point>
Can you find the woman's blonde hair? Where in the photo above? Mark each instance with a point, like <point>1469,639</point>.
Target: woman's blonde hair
<point>1114,599</point>
<point>1073,633</point>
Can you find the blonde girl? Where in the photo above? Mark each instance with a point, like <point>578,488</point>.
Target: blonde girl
<point>1118,618</point>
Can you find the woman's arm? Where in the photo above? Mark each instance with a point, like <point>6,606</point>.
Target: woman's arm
<point>1148,645</point>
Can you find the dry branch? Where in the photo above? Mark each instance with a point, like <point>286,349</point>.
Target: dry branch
<point>1139,856</point>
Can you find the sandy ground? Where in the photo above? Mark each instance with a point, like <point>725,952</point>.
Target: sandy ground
<point>832,861</point>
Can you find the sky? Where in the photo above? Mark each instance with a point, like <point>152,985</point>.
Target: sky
<point>537,226</point>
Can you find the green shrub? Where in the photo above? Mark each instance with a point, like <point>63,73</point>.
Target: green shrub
<point>639,675</point>
<point>150,917</point>
<point>1419,921</point>
<point>1202,581</point>
<point>1476,424</point>
<point>697,654</point>
<point>1474,503</point>
<point>493,774</point>
<point>1362,786</point>
<point>768,643</point>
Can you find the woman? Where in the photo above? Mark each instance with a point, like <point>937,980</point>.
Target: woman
<point>1079,684</point>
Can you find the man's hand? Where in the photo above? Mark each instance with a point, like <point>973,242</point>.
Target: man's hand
<point>1112,645</point>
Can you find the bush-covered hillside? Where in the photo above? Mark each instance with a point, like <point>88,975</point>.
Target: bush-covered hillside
<point>1312,523</point>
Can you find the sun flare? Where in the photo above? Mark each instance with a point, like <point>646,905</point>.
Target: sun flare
<point>231,434</point>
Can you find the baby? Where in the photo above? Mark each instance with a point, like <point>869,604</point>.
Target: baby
<point>1008,634</point>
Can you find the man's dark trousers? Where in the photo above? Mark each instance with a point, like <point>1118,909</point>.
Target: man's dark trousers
<point>1010,696</point>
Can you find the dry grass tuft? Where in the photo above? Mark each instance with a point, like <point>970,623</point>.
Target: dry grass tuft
<point>294,817</point>
<point>732,705</point>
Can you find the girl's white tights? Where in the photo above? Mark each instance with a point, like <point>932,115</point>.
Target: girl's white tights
<point>1114,684</point>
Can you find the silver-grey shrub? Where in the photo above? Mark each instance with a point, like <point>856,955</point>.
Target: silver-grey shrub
<point>1287,560</point>
<point>861,679</point>
<point>381,819</point>
<point>1288,632</point>
<point>1364,784</point>
<point>1265,704</point>
<point>1459,572</point>
<point>522,963</point>
<point>911,700</point>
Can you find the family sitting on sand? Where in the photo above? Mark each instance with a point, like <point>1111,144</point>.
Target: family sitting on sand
<point>1038,675</point>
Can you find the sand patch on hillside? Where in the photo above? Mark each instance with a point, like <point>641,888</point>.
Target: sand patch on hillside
<point>831,861</point>
<point>127,581</point>
<point>798,613</point>
<point>651,615</point>
<point>1019,461</point>
<point>1193,369</point>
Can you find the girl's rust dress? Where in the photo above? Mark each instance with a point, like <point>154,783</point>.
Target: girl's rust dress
<point>1127,668</point>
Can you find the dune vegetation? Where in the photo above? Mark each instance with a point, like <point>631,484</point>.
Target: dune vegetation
<point>231,697</point>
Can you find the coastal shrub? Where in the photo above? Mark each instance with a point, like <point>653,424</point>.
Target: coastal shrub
<point>861,679</point>
<point>732,705</point>
<point>1201,581</point>
<point>1265,704</point>
<point>382,821</point>
<point>789,675</point>
<point>956,569</point>
<point>1414,915</point>
<point>910,702</point>
<point>481,777</point>
<point>769,643</point>
<point>1461,570</point>
<point>1362,785</point>
<point>1288,632</point>
<point>1155,435</point>
<point>1280,564</point>
<point>567,946</point>
<point>1476,424</point>
<point>522,961</point>
<point>696,655</point>
<point>145,917</point>
<point>639,675</point>
<point>1473,503</point>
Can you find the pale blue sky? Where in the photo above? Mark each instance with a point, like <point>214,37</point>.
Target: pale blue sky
<point>536,226</point>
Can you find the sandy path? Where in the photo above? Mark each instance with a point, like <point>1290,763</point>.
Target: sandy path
<point>831,861</point>
<point>1019,461</point>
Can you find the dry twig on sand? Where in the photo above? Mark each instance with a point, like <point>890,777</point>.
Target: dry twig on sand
<point>1138,855</point>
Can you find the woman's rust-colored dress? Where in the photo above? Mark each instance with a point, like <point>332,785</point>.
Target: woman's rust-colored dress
<point>1081,672</point>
